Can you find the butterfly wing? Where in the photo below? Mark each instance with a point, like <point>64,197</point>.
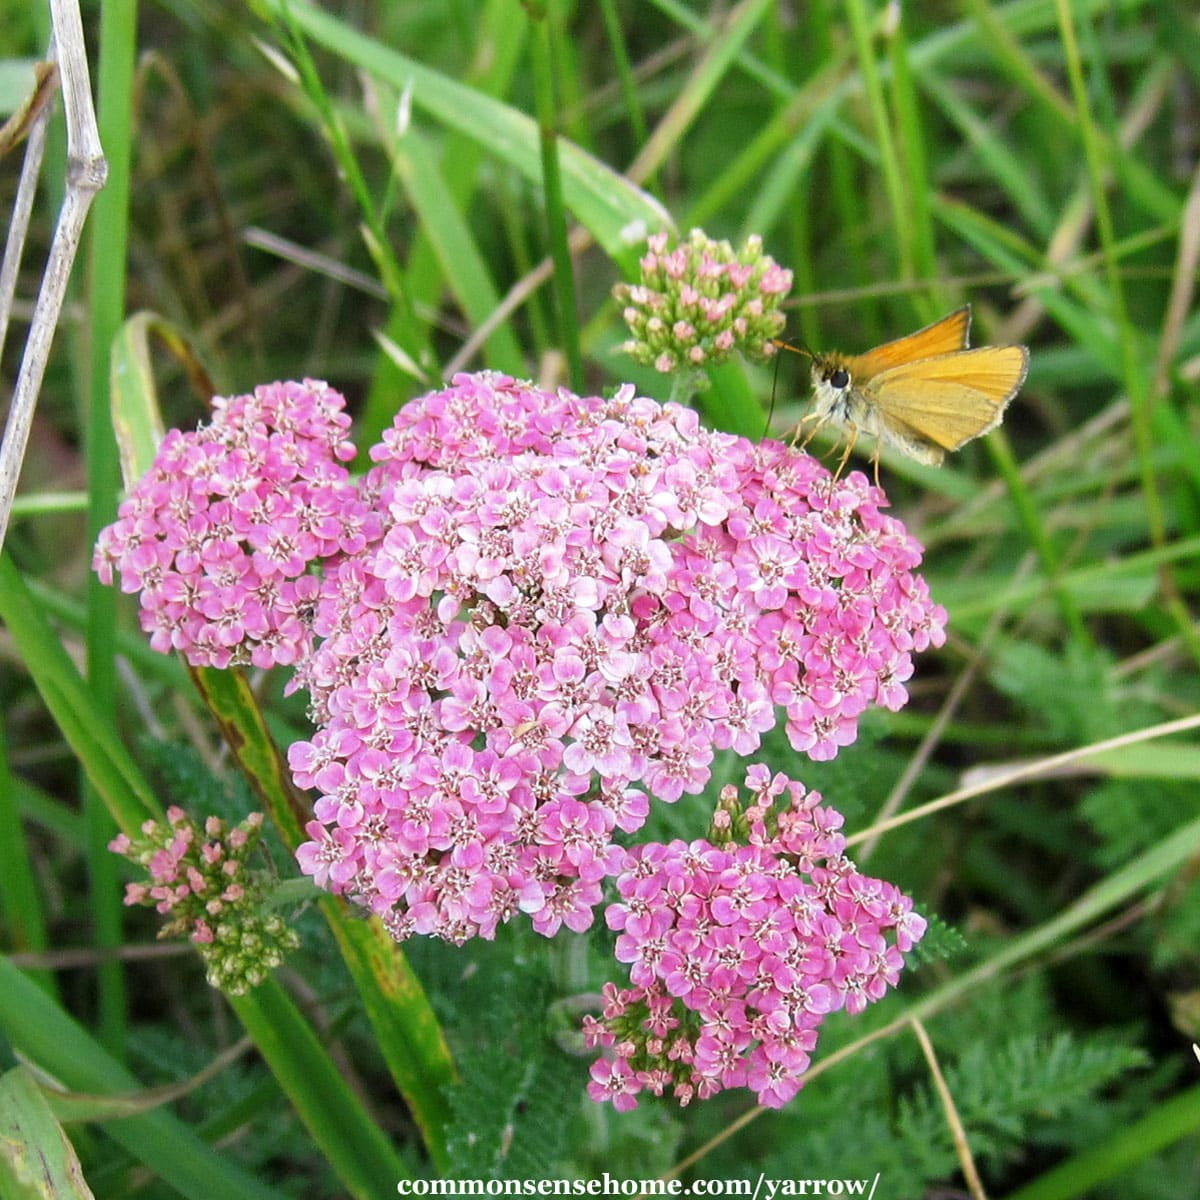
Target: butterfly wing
<point>942,337</point>
<point>949,400</point>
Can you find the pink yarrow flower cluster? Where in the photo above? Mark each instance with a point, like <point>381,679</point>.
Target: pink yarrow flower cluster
<point>699,301</point>
<point>534,614</point>
<point>574,603</point>
<point>737,951</point>
<point>200,878</point>
<point>219,536</point>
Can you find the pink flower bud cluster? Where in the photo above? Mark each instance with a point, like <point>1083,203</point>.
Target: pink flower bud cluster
<point>738,952</point>
<point>701,300</point>
<point>576,601</point>
<point>202,882</point>
<point>219,536</point>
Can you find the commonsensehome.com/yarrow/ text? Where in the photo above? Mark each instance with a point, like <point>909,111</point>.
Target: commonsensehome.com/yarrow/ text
<point>606,1185</point>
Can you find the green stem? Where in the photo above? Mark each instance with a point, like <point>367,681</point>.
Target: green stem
<point>629,92</point>
<point>1120,1151</point>
<point>889,162</point>
<point>1031,519</point>
<point>1141,402</point>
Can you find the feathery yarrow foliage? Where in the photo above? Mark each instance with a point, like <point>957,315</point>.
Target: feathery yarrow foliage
<point>700,301</point>
<point>200,879</point>
<point>534,614</point>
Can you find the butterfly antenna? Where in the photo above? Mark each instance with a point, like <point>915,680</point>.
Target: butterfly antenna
<point>771,406</point>
<point>795,348</point>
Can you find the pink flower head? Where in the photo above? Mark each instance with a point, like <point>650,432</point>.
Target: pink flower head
<point>217,537</point>
<point>572,603</point>
<point>700,300</point>
<point>535,613</point>
<point>747,947</point>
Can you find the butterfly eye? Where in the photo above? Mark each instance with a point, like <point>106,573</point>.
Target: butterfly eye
<point>839,379</point>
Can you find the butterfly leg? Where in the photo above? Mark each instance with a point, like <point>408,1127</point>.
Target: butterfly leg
<point>875,460</point>
<point>850,440</point>
<point>817,424</point>
<point>817,421</point>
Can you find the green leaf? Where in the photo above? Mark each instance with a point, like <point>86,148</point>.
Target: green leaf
<point>357,1149</point>
<point>110,769</point>
<point>37,1160</point>
<point>462,264</point>
<point>57,1044</point>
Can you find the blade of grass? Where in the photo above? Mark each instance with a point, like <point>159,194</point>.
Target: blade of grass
<point>911,138</point>
<point>500,38</point>
<point>545,91</point>
<point>463,266</point>
<point>999,158</point>
<point>1094,587</point>
<point>356,1148</point>
<point>109,238</point>
<point>1169,1121</point>
<point>38,1159</point>
<point>998,27</point>
<point>51,1039</point>
<point>411,332</point>
<point>862,33</point>
<point>701,84</point>
<point>1134,374</point>
<point>602,200</point>
<point>807,115</point>
<point>87,729</point>
<point>629,92</point>
<point>20,899</point>
<point>1035,527</point>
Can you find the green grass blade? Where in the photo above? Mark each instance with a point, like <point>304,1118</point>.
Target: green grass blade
<point>88,730</point>
<point>109,244</point>
<point>911,137</point>
<point>1120,1153</point>
<point>450,237</point>
<point>1000,159</point>
<point>500,39</point>
<point>603,201</point>
<point>24,915</point>
<point>1121,585</point>
<point>356,1148</point>
<point>37,1159</point>
<point>545,89</point>
<point>53,1041</point>
<point>872,83</point>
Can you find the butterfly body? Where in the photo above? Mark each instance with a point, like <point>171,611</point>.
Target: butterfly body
<point>924,394</point>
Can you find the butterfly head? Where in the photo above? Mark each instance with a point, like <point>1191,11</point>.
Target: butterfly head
<point>832,384</point>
